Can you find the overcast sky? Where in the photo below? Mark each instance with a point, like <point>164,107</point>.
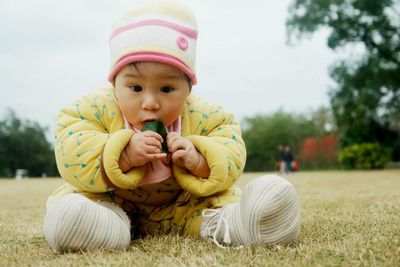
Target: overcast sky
<point>53,52</point>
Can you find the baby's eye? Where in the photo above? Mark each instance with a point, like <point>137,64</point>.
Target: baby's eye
<point>166,89</point>
<point>136,88</point>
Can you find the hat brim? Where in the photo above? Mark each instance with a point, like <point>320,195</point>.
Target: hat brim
<point>151,57</point>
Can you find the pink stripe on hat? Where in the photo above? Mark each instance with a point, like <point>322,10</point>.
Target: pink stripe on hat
<point>158,22</point>
<point>152,56</point>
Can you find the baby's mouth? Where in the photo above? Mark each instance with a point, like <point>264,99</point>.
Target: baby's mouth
<point>150,120</point>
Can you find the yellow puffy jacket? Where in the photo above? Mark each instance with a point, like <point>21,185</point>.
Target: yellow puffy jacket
<point>92,129</point>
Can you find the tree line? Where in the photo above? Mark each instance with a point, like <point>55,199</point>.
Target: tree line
<point>23,145</point>
<point>263,134</point>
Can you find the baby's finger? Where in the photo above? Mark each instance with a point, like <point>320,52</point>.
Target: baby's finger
<point>153,134</point>
<point>153,149</point>
<point>180,154</point>
<point>172,137</point>
<point>177,145</point>
<point>151,141</point>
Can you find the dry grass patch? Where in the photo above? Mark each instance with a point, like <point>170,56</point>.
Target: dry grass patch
<point>348,219</point>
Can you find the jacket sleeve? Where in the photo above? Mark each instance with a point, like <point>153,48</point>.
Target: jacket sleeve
<point>84,142</point>
<point>217,136</point>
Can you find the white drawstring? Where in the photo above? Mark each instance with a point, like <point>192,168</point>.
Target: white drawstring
<point>216,213</point>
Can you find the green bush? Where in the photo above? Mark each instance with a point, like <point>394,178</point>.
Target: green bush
<point>23,145</point>
<point>364,156</point>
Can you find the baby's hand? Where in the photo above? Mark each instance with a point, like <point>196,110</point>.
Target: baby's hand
<point>185,155</point>
<point>144,147</point>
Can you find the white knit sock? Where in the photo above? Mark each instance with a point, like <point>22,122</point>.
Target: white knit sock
<point>74,222</point>
<point>268,213</point>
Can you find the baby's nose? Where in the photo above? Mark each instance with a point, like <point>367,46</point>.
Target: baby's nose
<point>150,103</point>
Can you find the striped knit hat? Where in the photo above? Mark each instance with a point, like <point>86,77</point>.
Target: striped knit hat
<point>163,31</point>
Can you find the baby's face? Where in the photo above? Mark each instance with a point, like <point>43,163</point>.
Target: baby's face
<point>151,91</point>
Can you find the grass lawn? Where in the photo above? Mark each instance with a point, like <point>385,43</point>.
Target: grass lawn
<point>348,219</point>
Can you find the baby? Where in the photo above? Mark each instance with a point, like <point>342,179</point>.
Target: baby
<point>120,183</point>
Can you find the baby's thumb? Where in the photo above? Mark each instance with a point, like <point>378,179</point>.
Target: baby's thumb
<point>179,154</point>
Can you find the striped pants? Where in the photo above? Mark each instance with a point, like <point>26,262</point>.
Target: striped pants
<point>267,213</point>
<point>74,222</point>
